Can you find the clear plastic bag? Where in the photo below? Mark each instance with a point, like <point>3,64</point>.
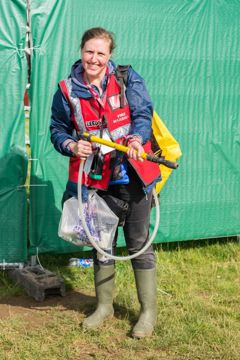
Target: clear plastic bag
<point>101,222</point>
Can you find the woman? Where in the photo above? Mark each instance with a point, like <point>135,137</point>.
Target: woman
<point>89,100</point>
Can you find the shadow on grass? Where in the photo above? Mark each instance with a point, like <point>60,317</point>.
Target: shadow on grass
<point>79,282</point>
<point>76,298</point>
<point>73,300</point>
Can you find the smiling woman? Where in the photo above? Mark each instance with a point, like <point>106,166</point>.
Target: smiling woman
<point>92,100</point>
<point>95,56</point>
<point>96,49</point>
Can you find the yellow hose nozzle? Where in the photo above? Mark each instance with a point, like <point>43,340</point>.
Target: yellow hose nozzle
<point>119,147</point>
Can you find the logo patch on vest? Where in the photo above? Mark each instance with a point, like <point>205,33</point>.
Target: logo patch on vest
<point>93,123</point>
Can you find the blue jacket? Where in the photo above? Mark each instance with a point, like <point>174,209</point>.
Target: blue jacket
<point>141,107</point>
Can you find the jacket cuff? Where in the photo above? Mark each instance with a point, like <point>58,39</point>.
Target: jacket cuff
<point>134,137</point>
<point>67,148</point>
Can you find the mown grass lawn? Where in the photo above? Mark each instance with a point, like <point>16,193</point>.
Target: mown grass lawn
<point>198,310</point>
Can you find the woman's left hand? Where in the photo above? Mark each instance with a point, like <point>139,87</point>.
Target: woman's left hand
<point>135,150</point>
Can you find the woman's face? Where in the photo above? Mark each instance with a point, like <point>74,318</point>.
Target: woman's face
<point>95,55</point>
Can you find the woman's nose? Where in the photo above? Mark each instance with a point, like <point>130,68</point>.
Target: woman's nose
<point>94,57</point>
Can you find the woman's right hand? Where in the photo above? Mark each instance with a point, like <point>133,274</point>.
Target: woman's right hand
<point>81,149</point>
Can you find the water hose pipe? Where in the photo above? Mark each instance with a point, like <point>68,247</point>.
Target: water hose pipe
<point>93,242</point>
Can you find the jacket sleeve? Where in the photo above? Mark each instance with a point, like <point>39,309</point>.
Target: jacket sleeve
<point>141,106</point>
<point>61,127</point>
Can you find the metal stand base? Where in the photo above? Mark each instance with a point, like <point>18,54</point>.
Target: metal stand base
<point>38,282</point>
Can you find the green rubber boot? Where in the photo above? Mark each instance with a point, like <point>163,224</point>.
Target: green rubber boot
<point>147,296</point>
<point>104,286</point>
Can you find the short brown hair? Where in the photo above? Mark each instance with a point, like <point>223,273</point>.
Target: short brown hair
<point>98,32</point>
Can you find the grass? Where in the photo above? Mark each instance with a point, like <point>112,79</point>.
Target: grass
<point>198,310</point>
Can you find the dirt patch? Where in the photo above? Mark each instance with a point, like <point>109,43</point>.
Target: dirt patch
<point>38,313</point>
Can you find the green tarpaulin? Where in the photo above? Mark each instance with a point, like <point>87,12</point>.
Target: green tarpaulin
<point>188,53</point>
<point>13,161</point>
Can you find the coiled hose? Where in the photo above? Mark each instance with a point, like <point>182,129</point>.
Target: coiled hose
<point>93,242</point>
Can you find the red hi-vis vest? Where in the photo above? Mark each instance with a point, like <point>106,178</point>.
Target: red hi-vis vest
<point>88,114</point>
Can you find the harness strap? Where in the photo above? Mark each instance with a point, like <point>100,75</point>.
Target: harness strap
<point>122,75</point>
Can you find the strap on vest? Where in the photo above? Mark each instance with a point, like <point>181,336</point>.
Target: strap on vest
<point>64,90</point>
<point>122,74</point>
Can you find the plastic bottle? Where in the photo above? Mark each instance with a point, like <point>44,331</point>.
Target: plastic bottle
<point>81,262</point>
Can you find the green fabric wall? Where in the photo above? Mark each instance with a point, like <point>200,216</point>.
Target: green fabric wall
<point>188,53</point>
<point>13,159</point>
